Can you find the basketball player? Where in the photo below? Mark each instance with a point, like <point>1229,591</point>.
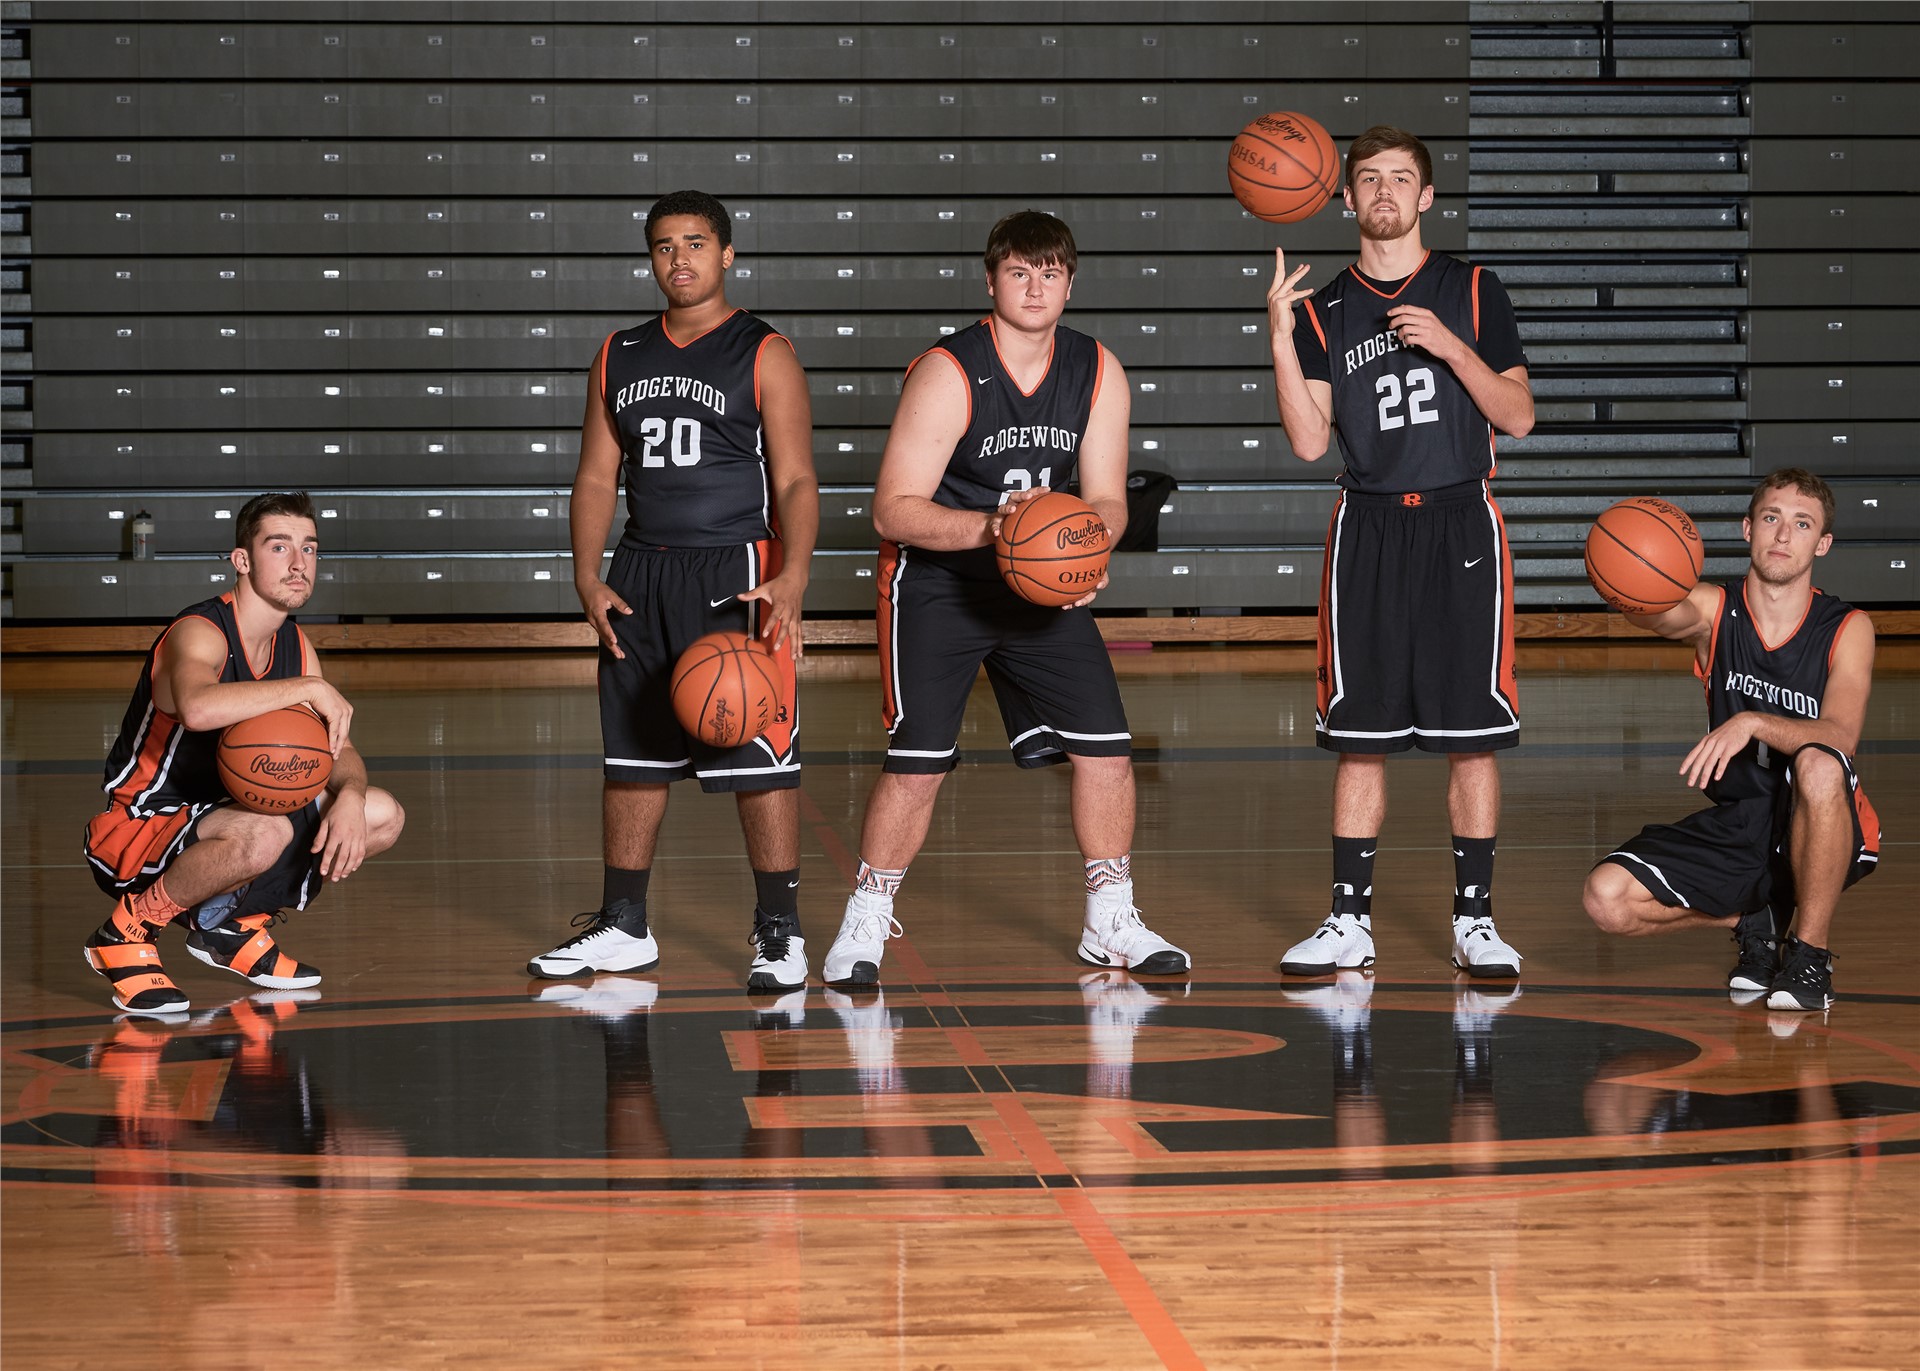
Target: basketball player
<point>1414,360</point>
<point>702,412</point>
<point>1787,670</point>
<point>989,417</point>
<point>171,841</point>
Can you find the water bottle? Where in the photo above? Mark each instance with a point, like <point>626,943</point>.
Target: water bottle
<point>143,537</point>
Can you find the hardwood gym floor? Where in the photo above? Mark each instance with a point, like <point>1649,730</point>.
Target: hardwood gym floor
<point>1006,1159</point>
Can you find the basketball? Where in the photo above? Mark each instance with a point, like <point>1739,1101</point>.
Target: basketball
<point>1283,168</point>
<point>1052,549</point>
<point>726,689</point>
<point>1644,555</point>
<point>274,763</point>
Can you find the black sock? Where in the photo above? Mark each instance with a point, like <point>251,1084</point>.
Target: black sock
<point>1353,874</point>
<point>617,884</point>
<point>777,897</point>
<point>1472,868</point>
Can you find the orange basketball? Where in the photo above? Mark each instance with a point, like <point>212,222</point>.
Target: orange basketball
<point>1283,168</point>
<point>274,763</point>
<point>726,689</point>
<point>1644,555</point>
<point>1052,549</point>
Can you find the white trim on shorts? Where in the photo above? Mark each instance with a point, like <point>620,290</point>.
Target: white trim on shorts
<point>893,648</point>
<point>1658,875</point>
<point>914,752</point>
<point>635,761</point>
<point>1499,614</point>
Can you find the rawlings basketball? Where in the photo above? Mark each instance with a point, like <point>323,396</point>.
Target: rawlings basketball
<point>1644,555</point>
<point>1283,168</point>
<point>726,689</point>
<point>1052,549</point>
<point>274,763</point>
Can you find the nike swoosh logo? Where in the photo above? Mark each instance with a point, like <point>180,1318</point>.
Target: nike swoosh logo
<point>1369,854</point>
<point>1101,958</point>
<point>981,380</point>
<point>793,885</point>
<point>1332,303</point>
<point>628,342</point>
<point>1476,561</point>
<point>1458,853</point>
<point>724,599</point>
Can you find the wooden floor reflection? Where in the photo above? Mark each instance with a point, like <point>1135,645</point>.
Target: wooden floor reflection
<point>1002,1159</point>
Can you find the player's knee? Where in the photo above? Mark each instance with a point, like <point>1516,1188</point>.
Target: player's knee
<point>261,839</point>
<point>1101,766</point>
<point>385,820</point>
<point>1818,777</point>
<point>1607,898</point>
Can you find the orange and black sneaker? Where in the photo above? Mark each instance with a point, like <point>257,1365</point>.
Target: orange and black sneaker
<point>122,950</point>
<point>244,947</point>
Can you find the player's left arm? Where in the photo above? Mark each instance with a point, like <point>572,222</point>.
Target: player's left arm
<point>1505,397</point>
<point>786,418</point>
<point>1103,456</point>
<point>341,838</point>
<point>1843,713</point>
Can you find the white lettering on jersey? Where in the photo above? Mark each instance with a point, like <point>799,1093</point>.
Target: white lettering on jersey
<point>1759,690</point>
<point>1379,345</point>
<point>1028,436</point>
<point>675,387</point>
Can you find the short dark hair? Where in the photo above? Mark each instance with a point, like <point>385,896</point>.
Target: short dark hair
<point>295,504</point>
<point>1033,236</point>
<point>696,202</point>
<point>1802,480</point>
<point>1386,138</point>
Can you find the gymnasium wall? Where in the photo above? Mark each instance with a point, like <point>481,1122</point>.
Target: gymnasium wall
<point>370,250</point>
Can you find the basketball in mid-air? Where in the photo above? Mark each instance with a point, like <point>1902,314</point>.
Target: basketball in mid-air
<point>1052,549</point>
<point>274,763</point>
<point>1644,555</point>
<point>726,689</point>
<point>1283,168</point>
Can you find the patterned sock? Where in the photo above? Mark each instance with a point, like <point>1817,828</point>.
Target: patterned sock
<point>873,881</point>
<point>1472,876</point>
<point>618,883</point>
<point>1104,872</point>
<point>1353,875</point>
<point>777,898</point>
<point>154,906</point>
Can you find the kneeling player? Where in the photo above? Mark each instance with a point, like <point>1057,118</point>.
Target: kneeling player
<point>170,839</point>
<point>1787,670</point>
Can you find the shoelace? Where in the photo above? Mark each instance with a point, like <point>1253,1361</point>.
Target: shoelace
<point>772,947</point>
<point>596,921</point>
<point>888,925</point>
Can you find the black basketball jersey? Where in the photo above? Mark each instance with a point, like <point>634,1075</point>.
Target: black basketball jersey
<point>1405,423</point>
<point>1014,440</point>
<point>157,764</point>
<point>1789,679</point>
<point>688,416</point>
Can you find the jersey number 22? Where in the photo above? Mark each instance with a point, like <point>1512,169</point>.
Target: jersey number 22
<point>1419,396</point>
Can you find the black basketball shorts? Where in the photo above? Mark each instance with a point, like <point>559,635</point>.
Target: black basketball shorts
<point>677,595</point>
<point>1049,669</point>
<point>1734,857</point>
<point>1416,625</point>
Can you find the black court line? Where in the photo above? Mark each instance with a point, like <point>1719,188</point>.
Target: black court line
<point>1143,756</point>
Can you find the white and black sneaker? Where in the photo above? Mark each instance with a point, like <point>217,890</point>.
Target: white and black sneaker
<point>1343,942</point>
<point>854,958</point>
<point>1479,950</point>
<point>779,957</point>
<point>614,939</point>
<point>1114,937</point>
<point>1804,982</point>
<point>1758,960</point>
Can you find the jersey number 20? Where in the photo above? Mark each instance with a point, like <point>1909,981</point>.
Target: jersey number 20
<point>685,447</point>
<point>1419,397</point>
